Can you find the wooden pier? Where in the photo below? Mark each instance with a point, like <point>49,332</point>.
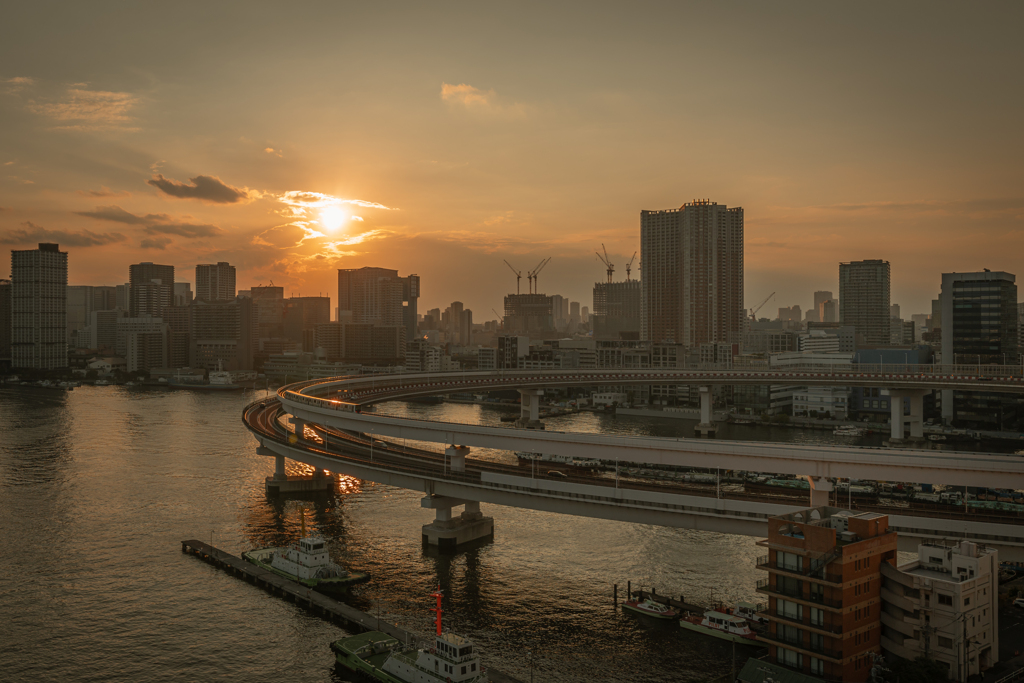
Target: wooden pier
<point>317,603</point>
<point>641,594</point>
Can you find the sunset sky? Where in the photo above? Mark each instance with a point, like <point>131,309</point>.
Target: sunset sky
<point>292,139</point>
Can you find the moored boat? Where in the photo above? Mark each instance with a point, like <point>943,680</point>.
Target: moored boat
<point>380,657</point>
<point>849,430</point>
<point>650,608</point>
<point>720,625</point>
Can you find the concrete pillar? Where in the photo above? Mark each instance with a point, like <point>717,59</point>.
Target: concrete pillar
<point>820,490</point>
<point>279,473</point>
<point>300,427</point>
<point>456,457</point>
<point>529,409</point>
<point>895,416</point>
<point>707,421</point>
<point>916,415</point>
<point>472,510</point>
<point>448,531</point>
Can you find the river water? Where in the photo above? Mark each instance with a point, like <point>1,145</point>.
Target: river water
<point>98,487</point>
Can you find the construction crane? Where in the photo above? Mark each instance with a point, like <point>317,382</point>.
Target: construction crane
<point>753,311</point>
<point>609,264</point>
<point>518,273</point>
<point>536,271</point>
<point>628,266</point>
<point>501,318</point>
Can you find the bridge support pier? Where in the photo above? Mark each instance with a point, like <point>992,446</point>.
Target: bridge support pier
<point>707,425</point>
<point>456,456</point>
<point>529,415</point>
<point>282,483</point>
<point>447,532</point>
<point>820,490</point>
<point>898,421</point>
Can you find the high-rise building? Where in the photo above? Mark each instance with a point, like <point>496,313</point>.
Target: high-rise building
<point>529,314</point>
<point>864,299</point>
<point>828,311</point>
<point>39,296</point>
<point>301,316</point>
<point>143,343</point>
<point>824,583</point>
<point>101,332</point>
<point>5,323</point>
<point>151,289</point>
<point>216,282</point>
<point>894,311</point>
<point>222,334</point>
<point>585,315</point>
<point>379,296</point>
<point>182,293</point>
<point>979,314</point>
<point>82,301</point>
<point>179,330</point>
<point>814,315</point>
<point>692,281</point>
<point>617,310</point>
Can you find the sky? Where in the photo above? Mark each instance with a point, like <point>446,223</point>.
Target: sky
<point>293,139</point>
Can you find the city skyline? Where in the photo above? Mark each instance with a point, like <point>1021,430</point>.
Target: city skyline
<point>837,133</point>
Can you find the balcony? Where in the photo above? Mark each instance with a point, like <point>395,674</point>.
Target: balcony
<point>821,653</point>
<point>832,629</point>
<point>814,600</point>
<point>819,577</point>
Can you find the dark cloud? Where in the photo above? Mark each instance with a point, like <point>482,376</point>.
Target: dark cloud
<point>33,233</point>
<point>183,229</point>
<point>155,242</point>
<point>203,187</point>
<point>119,215</point>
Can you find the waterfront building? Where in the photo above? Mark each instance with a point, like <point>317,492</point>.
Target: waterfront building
<point>179,329</point>
<point>39,291</point>
<point>151,289</point>
<point>804,400</point>
<point>301,316</point>
<point>143,342</point>
<point>362,343</point>
<point>943,606</point>
<point>422,356</point>
<point>215,282</point>
<point>818,340</point>
<point>979,314</point>
<point>378,296</point>
<point>692,278</point>
<point>5,323</point>
<point>617,310</point>
<point>82,301</point>
<point>222,334</point>
<point>824,569</point>
<point>864,299</point>
<point>101,332</point>
<point>511,349</point>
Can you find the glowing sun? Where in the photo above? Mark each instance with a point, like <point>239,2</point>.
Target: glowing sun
<point>332,217</point>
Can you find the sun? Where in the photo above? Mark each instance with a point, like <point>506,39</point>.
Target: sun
<point>333,217</point>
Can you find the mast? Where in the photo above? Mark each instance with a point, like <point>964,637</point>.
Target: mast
<point>437,610</point>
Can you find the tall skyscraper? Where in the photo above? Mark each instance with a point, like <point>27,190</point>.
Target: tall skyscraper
<point>979,327</point>
<point>864,299</point>
<point>215,282</point>
<point>5,323</point>
<point>692,278</point>
<point>182,293</point>
<point>82,301</point>
<point>379,296</point>
<point>151,289</point>
<point>617,310</point>
<point>39,301</point>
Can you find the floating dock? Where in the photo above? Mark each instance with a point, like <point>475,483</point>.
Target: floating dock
<point>317,603</point>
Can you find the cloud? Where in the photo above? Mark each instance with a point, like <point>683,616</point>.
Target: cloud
<point>275,152</point>
<point>466,95</point>
<point>82,238</point>
<point>88,109</point>
<point>119,215</point>
<point>301,202</point>
<point>204,188</point>
<point>104,192</point>
<point>155,242</point>
<point>183,229</point>
<point>17,83</point>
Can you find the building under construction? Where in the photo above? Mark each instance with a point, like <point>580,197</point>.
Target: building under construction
<point>528,314</point>
<point>616,310</point>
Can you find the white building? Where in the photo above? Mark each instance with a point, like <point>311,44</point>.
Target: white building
<point>805,401</point>
<point>944,606</point>
<point>818,340</point>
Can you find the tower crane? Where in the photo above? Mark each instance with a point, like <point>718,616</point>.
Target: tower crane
<point>536,271</point>
<point>753,311</point>
<point>501,318</point>
<point>609,264</point>
<point>628,266</point>
<point>518,273</point>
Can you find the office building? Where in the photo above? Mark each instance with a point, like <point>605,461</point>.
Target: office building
<point>828,311</point>
<point>142,342</point>
<point>585,315</point>
<point>5,323</point>
<point>979,314</point>
<point>39,296</point>
<point>943,606</point>
<point>378,296</point>
<point>268,304</point>
<point>823,588</point>
<point>814,314</point>
<point>301,316</point>
<point>179,331</point>
<point>222,334</point>
<point>215,282</point>
<point>864,299</point>
<point>617,310</point>
<point>151,289</point>
<point>692,283</point>
<point>182,293</point>
<point>529,314</point>
<point>101,332</point>
<point>363,343</point>
<point>82,301</point>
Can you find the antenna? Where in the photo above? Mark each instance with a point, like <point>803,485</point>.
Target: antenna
<point>518,273</point>
<point>628,266</point>
<point>604,259</point>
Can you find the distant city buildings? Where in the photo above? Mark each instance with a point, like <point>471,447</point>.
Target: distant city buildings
<point>5,323</point>
<point>215,282</point>
<point>864,299</point>
<point>692,283</point>
<point>39,280</point>
<point>378,296</point>
<point>617,308</point>
<point>151,289</point>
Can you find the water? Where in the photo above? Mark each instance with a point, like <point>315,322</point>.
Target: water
<point>99,486</point>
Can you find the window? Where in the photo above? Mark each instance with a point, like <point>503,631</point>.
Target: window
<point>789,658</point>
<point>945,599</point>
<point>967,601</point>
<point>790,610</point>
<point>945,642</point>
<point>788,561</point>
<point>817,666</point>
<point>817,617</point>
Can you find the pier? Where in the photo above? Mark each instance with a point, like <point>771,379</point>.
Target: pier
<point>641,595</point>
<point>317,603</point>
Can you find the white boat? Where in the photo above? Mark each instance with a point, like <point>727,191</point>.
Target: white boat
<point>720,625</point>
<point>650,608</point>
<point>748,611</point>
<point>936,437</point>
<point>849,431</point>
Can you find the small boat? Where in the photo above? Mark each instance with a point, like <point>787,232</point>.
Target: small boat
<point>936,437</point>
<point>376,656</point>
<point>720,625</point>
<point>742,421</point>
<point>748,611</point>
<point>650,608</point>
<point>849,431</point>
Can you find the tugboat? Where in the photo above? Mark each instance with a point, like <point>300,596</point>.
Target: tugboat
<point>379,657</point>
<point>720,625</point>
<point>308,563</point>
<point>650,608</point>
